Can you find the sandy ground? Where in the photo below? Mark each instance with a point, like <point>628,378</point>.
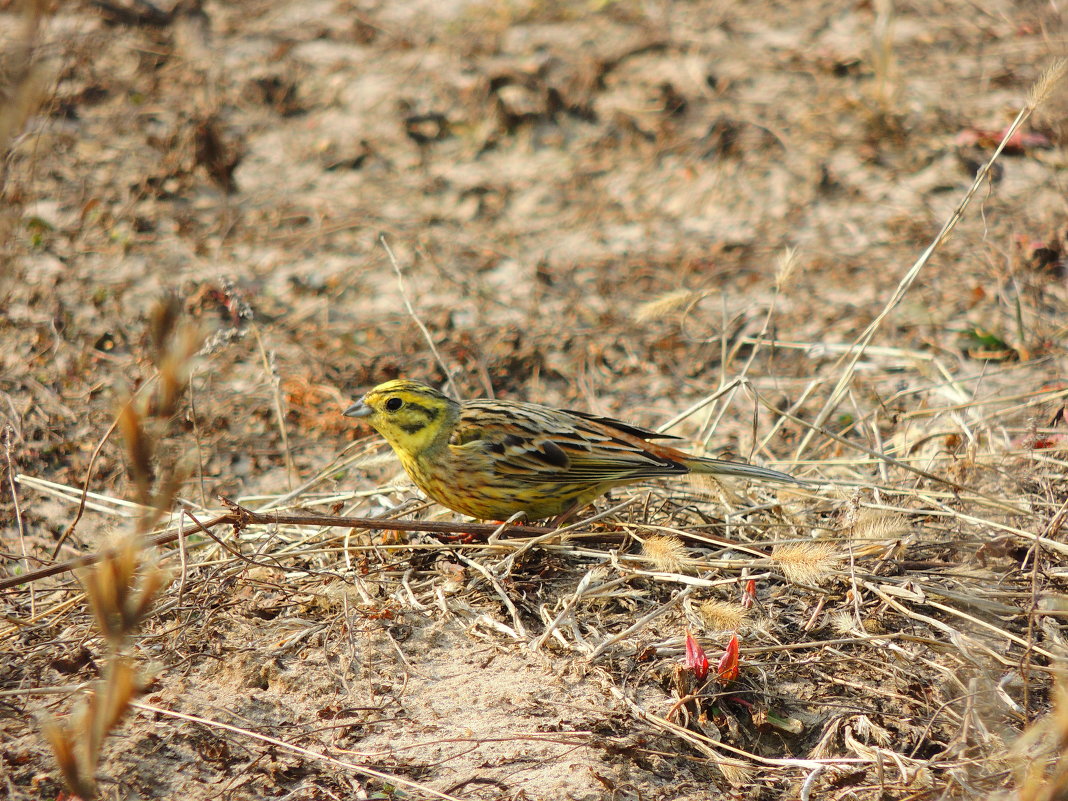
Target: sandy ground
<point>591,205</point>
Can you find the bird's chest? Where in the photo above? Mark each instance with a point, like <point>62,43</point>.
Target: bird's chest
<point>420,471</point>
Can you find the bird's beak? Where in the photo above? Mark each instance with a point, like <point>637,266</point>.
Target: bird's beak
<point>359,409</point>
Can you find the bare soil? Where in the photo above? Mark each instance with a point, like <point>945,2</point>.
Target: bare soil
<point>616,206</point>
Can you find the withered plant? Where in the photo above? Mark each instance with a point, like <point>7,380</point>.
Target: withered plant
<point>122,587</point>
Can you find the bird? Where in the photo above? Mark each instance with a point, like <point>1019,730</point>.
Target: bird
<point>491,459</point>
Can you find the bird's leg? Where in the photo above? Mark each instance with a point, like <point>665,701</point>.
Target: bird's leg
<point>567,514</point>
<point>518,519</point>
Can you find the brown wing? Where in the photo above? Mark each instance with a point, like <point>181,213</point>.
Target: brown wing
<point>532,443</point>
<point>619,425</point>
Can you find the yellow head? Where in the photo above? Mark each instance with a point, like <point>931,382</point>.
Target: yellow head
<point>411,416</point>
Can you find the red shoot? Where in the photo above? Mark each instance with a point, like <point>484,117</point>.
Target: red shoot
<point>749,594</point>
<point>695,658</point>
<point>727,667</point>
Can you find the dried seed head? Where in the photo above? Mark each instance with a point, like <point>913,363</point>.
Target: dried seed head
<point>1045,85</point>
<point>842,623</point>
<point>871,731</point>
<point>77,742</point>
<point>666,304</point>
<point>119,598</point>
<point>175,367</point>
<point>787,265</point>
<point>735,772</point>
<point>708,487</point>
<point>876,524</point>
<point>107,705</point>
<point>64,745</point>
<point>167,491</point>
<point>806,562</point>
<point>722,615</point>
<point>138,450</point>
<point>666,553</point>
<point>162,321</point>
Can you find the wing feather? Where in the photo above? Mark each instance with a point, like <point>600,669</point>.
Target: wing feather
<point>534,444</point>
<point>619,425</point>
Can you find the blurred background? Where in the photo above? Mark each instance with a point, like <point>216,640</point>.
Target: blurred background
<point>612,205</point>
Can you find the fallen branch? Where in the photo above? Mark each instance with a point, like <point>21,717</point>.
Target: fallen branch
<point>240,518</point>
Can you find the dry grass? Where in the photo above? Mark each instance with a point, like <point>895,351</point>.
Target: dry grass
<point>879,627</point>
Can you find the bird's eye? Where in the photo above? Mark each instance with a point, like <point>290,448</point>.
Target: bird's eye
<point>393,404</point>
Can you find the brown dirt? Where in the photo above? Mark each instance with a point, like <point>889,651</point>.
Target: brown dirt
<point>543,172</point>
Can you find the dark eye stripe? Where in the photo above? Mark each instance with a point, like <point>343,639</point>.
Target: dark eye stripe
<point>430,414</point>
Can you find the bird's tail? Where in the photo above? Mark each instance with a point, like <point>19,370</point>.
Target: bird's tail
<point>722,467</point>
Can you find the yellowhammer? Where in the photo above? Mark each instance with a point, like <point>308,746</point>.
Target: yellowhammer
<point>490,458</point>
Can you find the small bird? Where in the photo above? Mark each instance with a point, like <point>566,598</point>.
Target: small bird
<point>492,458</point>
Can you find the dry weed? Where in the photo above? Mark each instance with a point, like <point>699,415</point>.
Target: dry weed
<point>122,588</point>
